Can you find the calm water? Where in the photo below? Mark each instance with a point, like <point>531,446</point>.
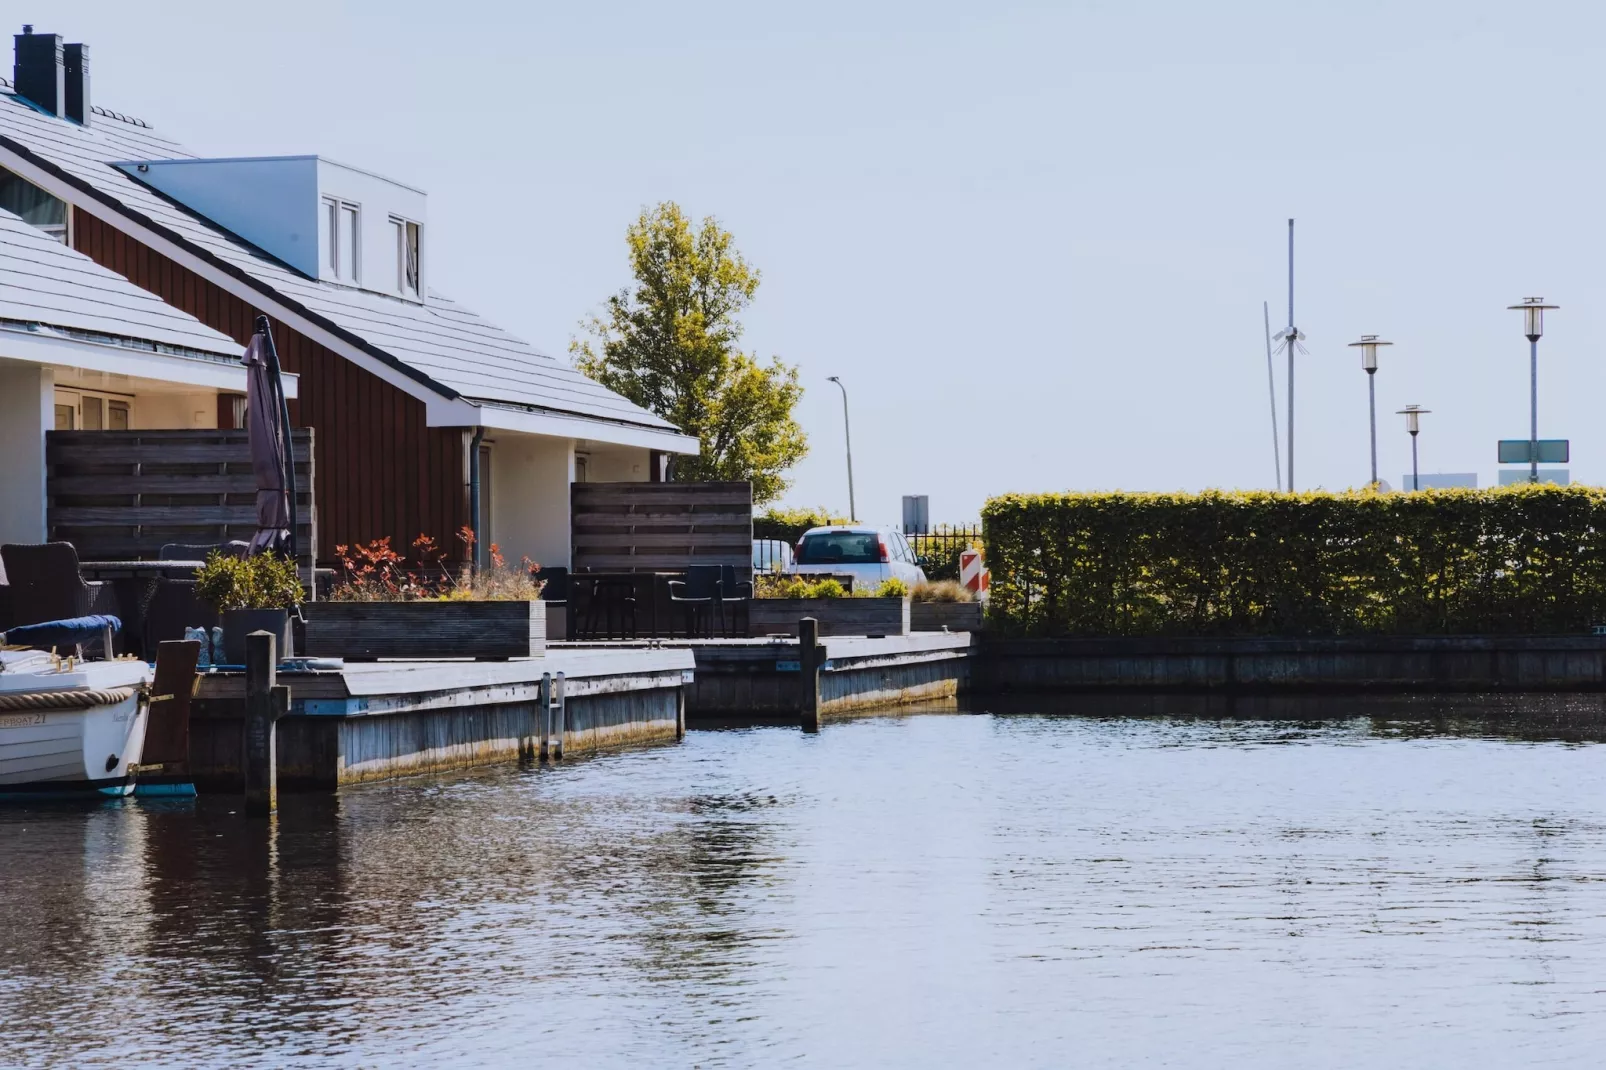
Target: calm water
<point>924,891</point>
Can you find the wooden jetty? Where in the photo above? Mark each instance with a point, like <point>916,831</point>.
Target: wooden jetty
<point>369,721</point>
<point>374,720</point>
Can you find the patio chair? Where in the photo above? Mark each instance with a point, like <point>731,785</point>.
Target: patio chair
<point>609,599</point>
<point>735,598</point>
<point>555,581</point>
<point>46,585</point>
<point>174,607</point>
<point>698,597</point>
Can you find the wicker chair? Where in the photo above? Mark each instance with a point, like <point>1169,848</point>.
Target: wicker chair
<point>45,584</point>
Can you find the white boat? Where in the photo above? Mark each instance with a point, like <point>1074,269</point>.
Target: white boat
<point>70,728</point>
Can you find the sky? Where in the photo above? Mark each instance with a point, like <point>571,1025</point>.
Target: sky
<point>1032,239</point>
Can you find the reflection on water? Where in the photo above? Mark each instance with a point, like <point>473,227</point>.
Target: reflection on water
<point>1420,885</point>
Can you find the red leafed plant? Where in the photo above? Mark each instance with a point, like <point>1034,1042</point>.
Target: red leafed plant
<point>377,573</point>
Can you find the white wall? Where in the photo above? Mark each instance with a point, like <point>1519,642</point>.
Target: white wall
<point>377,200</point>
<point>27,409</point>
<point>164,412</point>
<point>619,464</point>
<point>530,477</point>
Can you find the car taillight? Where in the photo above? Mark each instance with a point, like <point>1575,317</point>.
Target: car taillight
<point>885,556</point>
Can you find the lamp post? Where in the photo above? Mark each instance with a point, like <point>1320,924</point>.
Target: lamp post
<point>1368,347</point>
<point>1533,325</point>
<point>847,434</point>
<point>1413,424</point>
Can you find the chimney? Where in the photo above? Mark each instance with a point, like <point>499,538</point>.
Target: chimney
<point>77,67</point>
<point>39,73</point>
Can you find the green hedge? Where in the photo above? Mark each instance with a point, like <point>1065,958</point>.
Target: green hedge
<point>1517,560</point>
<point>788,525</point>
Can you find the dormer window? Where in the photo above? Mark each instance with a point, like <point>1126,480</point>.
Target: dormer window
<point>341,235</point>
<point>408,270</point>
<point>36,207</point>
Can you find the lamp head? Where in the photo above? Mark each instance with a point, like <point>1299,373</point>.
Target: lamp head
<point>1412,414</point>
<point>1368,347</point>
<point>1533,316</point>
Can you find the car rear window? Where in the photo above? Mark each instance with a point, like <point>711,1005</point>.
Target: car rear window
<point>840,548</point>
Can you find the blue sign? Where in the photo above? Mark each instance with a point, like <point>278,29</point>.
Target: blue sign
<point>788,666</point>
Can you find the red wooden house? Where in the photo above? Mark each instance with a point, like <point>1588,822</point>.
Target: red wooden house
<point>415,399</point>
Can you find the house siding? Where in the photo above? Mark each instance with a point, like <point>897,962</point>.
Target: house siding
<point>380,470</point>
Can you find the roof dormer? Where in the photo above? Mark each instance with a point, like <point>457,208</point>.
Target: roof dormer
<point>327,220</point>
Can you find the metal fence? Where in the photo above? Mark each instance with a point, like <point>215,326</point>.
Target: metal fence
<point>937,551</point>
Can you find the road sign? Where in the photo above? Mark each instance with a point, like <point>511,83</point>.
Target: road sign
<point>1551,451</point>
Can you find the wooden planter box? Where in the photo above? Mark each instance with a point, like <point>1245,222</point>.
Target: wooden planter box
<point>955,616</point>
<point>837,616</point>
<point>422,630</point>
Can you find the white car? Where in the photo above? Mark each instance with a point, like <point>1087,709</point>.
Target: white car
<point>870,555</point>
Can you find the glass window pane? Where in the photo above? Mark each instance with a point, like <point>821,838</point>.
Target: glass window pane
<point>348,243</point>
<point>33,204</point>
<point>64,417</point>
<point>412,239</point>
<point>94,413</point>
<point>117,416</point>
<point>327,232</point>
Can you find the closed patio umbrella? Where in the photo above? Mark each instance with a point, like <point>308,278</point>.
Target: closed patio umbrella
<point>268,421</point>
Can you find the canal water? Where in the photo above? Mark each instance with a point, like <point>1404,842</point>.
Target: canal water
<point>941,890</point>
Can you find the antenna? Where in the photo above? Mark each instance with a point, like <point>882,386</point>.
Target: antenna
<point>1271,389</point>
<point>1291,337</point>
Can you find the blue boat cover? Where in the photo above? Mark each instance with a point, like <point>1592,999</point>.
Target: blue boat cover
<point>68,632</point>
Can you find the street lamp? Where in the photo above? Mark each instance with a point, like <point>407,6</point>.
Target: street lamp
<point>847,434</point>
<point>1368,347</point>
<point>1533,325</point>
<point>1412,414</point>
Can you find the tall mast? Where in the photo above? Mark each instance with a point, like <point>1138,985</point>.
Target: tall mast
<point>1293,335</point>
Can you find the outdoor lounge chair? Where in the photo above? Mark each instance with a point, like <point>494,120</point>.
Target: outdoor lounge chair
<point>735,598</point>
<point>46,585</point>
<point>698,597</point>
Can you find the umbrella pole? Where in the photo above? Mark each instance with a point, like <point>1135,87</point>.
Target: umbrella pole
<point>284,421</point>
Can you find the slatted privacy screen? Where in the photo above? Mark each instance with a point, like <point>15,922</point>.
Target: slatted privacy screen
<point>661,527</point>
<point>123,495</point>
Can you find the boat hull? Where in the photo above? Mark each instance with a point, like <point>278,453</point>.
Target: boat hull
<point>84,752</point>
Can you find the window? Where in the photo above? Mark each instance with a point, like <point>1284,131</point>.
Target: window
<point>840,548</point>
<point>408,274</point>
<point>35,206</point>
<point>341,236</point>
<point>77,410</point>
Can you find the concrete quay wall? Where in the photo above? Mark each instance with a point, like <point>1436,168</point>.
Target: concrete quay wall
<point>1369,663</point>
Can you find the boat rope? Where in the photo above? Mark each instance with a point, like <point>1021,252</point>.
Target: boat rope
<point>64,700</point>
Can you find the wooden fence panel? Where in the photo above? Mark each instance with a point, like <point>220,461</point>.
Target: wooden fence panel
<point>661,527</point>
<point>122,495</point>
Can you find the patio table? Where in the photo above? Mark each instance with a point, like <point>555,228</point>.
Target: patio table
<point>133,584</point>
<point>606,585</point>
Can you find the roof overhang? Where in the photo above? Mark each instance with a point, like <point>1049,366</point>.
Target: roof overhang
<point>38,347</point>
<point>463,412</point>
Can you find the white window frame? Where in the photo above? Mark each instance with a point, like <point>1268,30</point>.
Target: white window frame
<point>74,396</point>
<point>334,257</point>
<point>401,223</point>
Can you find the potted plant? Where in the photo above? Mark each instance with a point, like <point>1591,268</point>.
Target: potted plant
<point>944,604</point>
<point>251,594</point>
<point>780,601</point>
<point>385,606</point>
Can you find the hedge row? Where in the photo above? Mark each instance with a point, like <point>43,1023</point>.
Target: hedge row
<point>1522,559</point>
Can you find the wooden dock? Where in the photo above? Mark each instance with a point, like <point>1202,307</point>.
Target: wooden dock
<point>762,681</point>
<point>374,720</point>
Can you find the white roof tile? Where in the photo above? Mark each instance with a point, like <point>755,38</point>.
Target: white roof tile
<point>448,344</point>
<point>44,282</point>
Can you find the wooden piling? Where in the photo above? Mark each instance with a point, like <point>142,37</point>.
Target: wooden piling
<point>808,657</point>
<point>265,702</point>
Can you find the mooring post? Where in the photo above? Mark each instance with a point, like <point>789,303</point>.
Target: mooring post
<point>560,710</point>
<point>808,657</point>
<point>265,702</point>
<point>544,716</point>
<point>680,712</point>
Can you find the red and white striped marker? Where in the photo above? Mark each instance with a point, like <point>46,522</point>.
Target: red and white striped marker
<point>971,571</point>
